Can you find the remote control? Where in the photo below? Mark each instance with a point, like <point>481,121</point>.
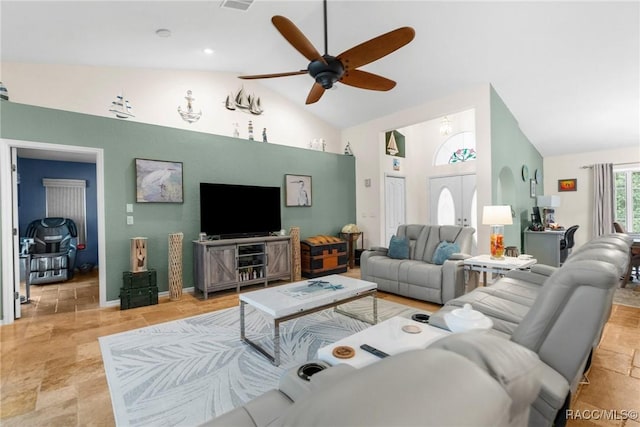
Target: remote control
<point>373,350</point>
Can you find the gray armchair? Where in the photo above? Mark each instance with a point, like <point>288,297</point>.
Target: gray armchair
<point>52,256</point>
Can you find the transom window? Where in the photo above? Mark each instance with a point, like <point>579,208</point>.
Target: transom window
<point>458,148</point>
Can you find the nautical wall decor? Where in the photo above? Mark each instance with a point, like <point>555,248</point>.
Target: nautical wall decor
<point>394,143</point>
<point>249,103</point>
<point>4,93</point>
<point>189,115</point>
<point>121,107</point>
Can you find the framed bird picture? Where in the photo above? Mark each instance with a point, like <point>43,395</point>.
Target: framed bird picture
<point>158,181</point>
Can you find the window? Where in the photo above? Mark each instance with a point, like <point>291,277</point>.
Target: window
<point>627,200</point>
<point>65,198</point>
<point>460,147</point>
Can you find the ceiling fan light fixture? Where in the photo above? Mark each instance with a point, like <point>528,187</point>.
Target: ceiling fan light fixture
<point>326,74</point>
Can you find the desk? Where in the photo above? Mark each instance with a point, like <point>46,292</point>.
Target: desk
<point>485,264</point>
<point>544,246</point>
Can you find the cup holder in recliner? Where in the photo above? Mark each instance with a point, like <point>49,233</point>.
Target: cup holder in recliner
<point>420,317</point>
<point>307,370</point>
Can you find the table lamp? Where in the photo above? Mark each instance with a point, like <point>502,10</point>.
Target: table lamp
<point>497,217</point>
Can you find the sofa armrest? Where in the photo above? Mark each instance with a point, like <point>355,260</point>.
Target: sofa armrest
<point>452,279</point>
<point>546,270</point>
<point>381,250</point>
<point>459,256</point>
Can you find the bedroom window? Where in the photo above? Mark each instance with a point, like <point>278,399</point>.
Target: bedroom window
<point>65,198</point>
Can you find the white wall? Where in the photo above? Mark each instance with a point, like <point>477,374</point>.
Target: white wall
<point>576,207</point>
<point>156,94</point>
<point>367,141</point>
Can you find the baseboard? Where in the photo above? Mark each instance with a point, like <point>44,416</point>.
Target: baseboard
<point>116,302</point>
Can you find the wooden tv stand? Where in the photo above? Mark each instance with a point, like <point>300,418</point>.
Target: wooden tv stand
<point>234,263</point>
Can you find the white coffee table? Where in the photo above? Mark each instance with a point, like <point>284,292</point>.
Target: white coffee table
<point>298,299</point>
<point>485,264</point>
<point>386,336</point>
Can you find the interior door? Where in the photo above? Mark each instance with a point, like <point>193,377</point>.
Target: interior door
<point>16,233</point>
<point>453,201</point>
<point>395,204</point>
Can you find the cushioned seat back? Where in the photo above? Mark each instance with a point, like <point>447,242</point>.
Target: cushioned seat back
<point>568,314</point>
<point>415,234</point>
<point>424,239</point>
<point>52,235</point>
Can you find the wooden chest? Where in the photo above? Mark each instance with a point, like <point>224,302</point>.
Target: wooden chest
<point>323,255</point>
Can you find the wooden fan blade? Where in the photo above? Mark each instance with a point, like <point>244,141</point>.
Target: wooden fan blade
<point>315,94</point>
<point>296,38</point>
<point>365,80</point>
<point>376,48</point>
<point>269,76</point>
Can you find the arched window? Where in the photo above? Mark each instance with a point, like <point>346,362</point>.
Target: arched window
<point>460,147</point>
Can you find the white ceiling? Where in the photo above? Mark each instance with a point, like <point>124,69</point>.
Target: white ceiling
<point>569,71</point>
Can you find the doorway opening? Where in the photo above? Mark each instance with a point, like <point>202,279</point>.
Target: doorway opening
<point>87,289</point>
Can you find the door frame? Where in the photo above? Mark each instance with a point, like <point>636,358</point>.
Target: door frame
<point>6,199</point>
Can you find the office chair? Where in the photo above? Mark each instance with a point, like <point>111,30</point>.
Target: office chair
<point>634,253</point>
<point>567,242</point>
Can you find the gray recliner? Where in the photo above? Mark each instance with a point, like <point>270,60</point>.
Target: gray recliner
<point>461,380</point>
<point>559,313</point>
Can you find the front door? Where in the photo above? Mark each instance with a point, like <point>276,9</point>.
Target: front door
<point>453,201</point>
<point>395,204</point>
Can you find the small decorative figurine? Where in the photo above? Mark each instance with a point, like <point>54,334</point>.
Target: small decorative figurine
<point>264,135</point>
<point>236,132</point>
<point>347,150</point>
<point>250,130</point>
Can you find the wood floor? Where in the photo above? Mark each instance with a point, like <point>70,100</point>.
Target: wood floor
<point>51,371</point>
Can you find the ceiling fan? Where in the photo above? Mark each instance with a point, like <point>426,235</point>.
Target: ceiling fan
<point>327,70</point>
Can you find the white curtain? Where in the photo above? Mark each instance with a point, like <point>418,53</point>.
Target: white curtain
<point>66,199</point>
<point>603,199</point>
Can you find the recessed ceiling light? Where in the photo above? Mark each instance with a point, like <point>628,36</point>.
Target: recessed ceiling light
<point>208,51</point>
<point>163,32</point>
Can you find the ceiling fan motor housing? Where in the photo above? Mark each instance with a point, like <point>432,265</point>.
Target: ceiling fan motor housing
<point>326,74</point>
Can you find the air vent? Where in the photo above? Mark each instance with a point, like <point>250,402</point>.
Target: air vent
<point>237,4</point>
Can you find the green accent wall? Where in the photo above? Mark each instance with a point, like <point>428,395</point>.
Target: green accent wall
<point>206,158</point>
<point>510,150</point>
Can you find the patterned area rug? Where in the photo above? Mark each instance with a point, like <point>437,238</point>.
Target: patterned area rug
<point>185,372</point>
<point>629,295</point>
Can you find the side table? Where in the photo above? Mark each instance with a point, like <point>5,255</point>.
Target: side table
<point>485,264</point>
<point>351,238</point>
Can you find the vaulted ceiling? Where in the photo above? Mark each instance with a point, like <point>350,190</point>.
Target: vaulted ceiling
<point>569,71</point>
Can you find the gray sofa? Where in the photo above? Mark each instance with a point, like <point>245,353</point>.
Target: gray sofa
<point>559,313</point>
<point>418,277</point>
<point>461,380</point>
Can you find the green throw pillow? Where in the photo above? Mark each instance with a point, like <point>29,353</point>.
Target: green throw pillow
<point>398,247</point>
<point>444,251</point>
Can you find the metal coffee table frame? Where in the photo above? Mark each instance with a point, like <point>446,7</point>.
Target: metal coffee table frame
<point>275,358</point>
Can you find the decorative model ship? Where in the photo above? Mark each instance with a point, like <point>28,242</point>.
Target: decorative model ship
<point>241,100</point>
<point>392,147</point>
<point>121,108</point>
<point>189,115</point>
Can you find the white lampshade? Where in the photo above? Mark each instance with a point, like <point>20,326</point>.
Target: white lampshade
<point>551,201</point>
<point>497,215</point>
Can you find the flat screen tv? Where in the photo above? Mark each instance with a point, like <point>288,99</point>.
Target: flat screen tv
<point>229,211</point>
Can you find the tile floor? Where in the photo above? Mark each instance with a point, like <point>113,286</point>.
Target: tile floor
<point>51,371</point>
